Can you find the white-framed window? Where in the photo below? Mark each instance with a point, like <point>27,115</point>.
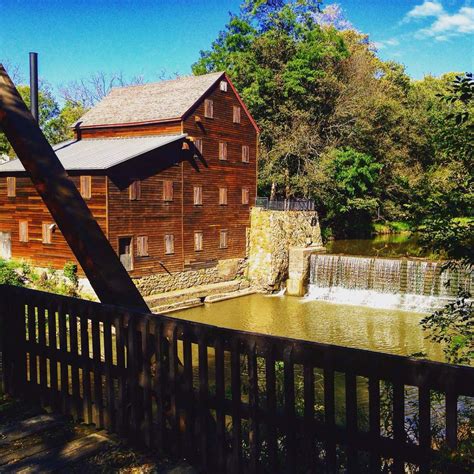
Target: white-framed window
<point>198,195</point>
<point>167,190</point>
<point>245,195</point>
<point>11,186</point>
<point>223,239</point>
<point>169,244</point>
<point>198,241</point>
<point>223,151</point>
<point>236,114</point>
<point>208,108</point>
<point>135,191</point>
<point>23,230</point>
<point>245,154</point>
<point>223,86</point>
<point>47,234</point>
<point>223,196</point>
<point>86,186</point>
<point>142,246</point>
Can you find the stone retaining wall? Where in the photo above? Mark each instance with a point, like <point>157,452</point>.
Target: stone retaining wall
<point>272,233</point>
<point>225,270</point>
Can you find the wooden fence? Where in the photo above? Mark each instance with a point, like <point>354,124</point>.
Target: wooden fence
<point>226,400</point>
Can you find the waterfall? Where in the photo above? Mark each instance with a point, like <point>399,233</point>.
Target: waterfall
<point>411,285</point>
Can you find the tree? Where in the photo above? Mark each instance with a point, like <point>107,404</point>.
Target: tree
<point>48,113</point>
<point>315,84</point>
<point>86,92</point>
<point>442,226</point>
<point>350,190</point>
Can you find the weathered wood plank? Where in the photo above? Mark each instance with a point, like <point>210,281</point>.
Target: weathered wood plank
<point>236,402</point>
<point>53,460</point>
<point>203,402</point>
<point>254,435</point>
<point>29,427</point>
<point>309,441</point>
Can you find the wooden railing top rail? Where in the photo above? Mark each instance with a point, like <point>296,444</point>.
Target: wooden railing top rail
<point>361,362</point>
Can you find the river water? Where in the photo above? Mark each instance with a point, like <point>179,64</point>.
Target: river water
<point>390,331</point>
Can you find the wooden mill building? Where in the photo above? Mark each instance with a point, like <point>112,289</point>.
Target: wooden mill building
<point>168,170</point>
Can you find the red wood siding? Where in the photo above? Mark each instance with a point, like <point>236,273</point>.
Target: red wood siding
<point>233,174</point>
<point>165,128</point>
<point>149,216</point>
<point>28,206</point>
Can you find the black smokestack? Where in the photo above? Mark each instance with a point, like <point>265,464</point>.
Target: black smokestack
<point>34,85</point>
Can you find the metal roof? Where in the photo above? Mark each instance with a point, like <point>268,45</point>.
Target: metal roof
<point>99,154</point>
<point>153,102</point>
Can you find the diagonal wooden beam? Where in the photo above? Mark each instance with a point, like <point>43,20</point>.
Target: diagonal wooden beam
<point>93,251</point>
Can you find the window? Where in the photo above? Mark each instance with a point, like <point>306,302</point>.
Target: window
<point>208,108</point>
<point>223,239</point>
<point>236,114</point>
<point>245,154</point>
<point>135,191</point>
<point>245,196</point>
<point>11,187</point>
<point>48,232</point>
<point>167,191</point>
<point>198,145</point>
<point>198,195</point>
<point>86,187</point>
<point>222,151</point>
<point>223,196</point>
<point>142,246</point>
<point>23,231</point>
<point>223,86</point>
<point>169,244</point>
<point>198,241</point>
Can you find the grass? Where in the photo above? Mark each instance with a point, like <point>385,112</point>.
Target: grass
<point>392,227</point>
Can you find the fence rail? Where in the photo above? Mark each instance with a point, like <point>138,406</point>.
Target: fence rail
<point>285,204</point>
<point>228,401</point>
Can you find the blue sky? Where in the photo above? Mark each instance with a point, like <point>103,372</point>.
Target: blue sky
<point>146,37</point>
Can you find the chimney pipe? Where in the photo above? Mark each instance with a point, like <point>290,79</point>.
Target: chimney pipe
<point>34,86</point>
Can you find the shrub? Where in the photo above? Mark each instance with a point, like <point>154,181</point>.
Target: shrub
<point>9,275</point>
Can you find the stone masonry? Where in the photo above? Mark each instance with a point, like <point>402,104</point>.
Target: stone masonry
<point>225,270</point>
<point>272,234</point>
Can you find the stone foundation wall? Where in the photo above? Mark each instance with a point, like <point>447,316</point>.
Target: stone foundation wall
<point>225,270</point>
<point>272,233</point>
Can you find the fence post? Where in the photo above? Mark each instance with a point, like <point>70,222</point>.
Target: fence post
<point>3,340</point>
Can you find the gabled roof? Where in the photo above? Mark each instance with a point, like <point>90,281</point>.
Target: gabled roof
<point>148,103</point>
<point>152,103</point>
<point>99,154</point>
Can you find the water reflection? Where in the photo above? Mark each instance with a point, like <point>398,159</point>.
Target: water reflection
<point>390,331</point>
<point>404,244</point>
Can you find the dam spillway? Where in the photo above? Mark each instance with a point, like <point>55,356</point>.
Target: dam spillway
<point>411,285</point>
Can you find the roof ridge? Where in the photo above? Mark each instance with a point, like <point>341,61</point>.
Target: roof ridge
<point>135,137</point>
<point>176,79</point>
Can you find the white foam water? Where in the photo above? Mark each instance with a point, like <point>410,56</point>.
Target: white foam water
<point>409,285</point>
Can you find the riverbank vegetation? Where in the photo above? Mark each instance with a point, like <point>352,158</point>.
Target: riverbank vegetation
<point>65,282</point>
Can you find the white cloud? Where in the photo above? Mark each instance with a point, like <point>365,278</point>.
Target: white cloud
<point>444,25</point>
<point>382,44</point>
<point>426,9</point>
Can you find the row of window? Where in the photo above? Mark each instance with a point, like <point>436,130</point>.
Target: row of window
<point>209,110</point>
<point>245,156</point>
<point>85,186</point>
<point>142,243</point>
<point>47,232</point>
<point>135,191</point>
